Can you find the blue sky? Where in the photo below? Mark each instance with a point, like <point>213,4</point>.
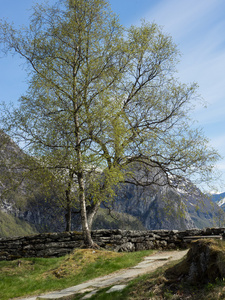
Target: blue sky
<point>197,27</point>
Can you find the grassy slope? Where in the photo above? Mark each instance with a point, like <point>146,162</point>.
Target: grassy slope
<point>158,285</point>
<point>37,275</point>
<point>154,286</point>
<point>116,221</point>
<point>11,226</point>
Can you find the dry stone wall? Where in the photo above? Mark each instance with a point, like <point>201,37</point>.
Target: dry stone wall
<point>59,244</point>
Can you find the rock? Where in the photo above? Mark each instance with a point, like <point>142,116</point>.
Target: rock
<point>126,247</point>
<point>205,262</point>
<point>116,288</point>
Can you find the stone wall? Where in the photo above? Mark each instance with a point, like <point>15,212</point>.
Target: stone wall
<point>59,244</point>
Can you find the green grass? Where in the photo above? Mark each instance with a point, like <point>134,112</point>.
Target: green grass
<point>38,275</point>
<point>154,286</point>
<point>160,285</point>
<point>12,226</point>
<point>119,221</point>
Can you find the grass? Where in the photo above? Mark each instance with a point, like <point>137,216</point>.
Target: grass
<point>156,287</point>
<point>160,285</point>
<point>119,221</point>
<point>12,226</point>
<point>34,276</point>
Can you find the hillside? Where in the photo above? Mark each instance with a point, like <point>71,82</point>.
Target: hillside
<point>23,201</point>
<point>116,220</point>
<point>219,199</point>
<point>13,226</point>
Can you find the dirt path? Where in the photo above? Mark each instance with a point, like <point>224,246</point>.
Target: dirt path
<point>117,280</point>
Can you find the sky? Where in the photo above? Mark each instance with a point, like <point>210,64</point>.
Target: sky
<point>198,29</point>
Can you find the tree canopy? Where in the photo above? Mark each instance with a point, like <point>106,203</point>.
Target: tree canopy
<point>103,99</point>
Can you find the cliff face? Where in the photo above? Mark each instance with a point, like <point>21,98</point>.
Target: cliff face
<point>23,197</point>
<point>184,207</point>
<point>219,199</point>
<point>157,208</point>
<point>10,174</point>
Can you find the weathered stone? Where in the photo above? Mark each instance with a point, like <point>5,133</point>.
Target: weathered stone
<point>127,247</point>
<point>137,240</point>
<point>149,245</point>
<point>217,231</point>
<point>28,247</point>
<point>195,232</point>
<point>138,233</point>
<point>157,236</point>
<point>61,245</point>
<point>141,246</point>
<point>53,252</point>
<point>104,239</point>
<point>171,246</point>
<point>163,244</point>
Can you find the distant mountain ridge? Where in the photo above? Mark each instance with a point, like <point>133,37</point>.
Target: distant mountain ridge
<point>219,199</point>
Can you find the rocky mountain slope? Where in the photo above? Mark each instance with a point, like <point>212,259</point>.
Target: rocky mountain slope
<point>22,197</point>
<point>168,208</point>
<point>219,199</point>
<point>135,207</point>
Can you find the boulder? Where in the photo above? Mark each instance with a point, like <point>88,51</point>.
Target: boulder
<point>205,262</point>
<point>126,247</point>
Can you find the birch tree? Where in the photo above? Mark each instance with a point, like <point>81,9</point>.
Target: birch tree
<point>102,100</point>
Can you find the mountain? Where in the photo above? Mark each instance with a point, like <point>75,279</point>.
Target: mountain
<point>165,207</point>
<point>116,220</point>
<point>27,206</point>
<point>219,199</point>
<point>24,198</point>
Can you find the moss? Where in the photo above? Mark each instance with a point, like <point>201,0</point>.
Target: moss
<point>77,232</point>
<point>14,257</point>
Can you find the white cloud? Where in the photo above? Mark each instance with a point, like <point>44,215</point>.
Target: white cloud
<point>180,16</point>
<point>198,29</point>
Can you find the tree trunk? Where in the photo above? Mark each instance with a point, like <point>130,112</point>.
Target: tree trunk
<point>88,242</point>
<point>91,212</point>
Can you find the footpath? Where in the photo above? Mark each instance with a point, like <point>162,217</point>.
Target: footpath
<point>117,280</point>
